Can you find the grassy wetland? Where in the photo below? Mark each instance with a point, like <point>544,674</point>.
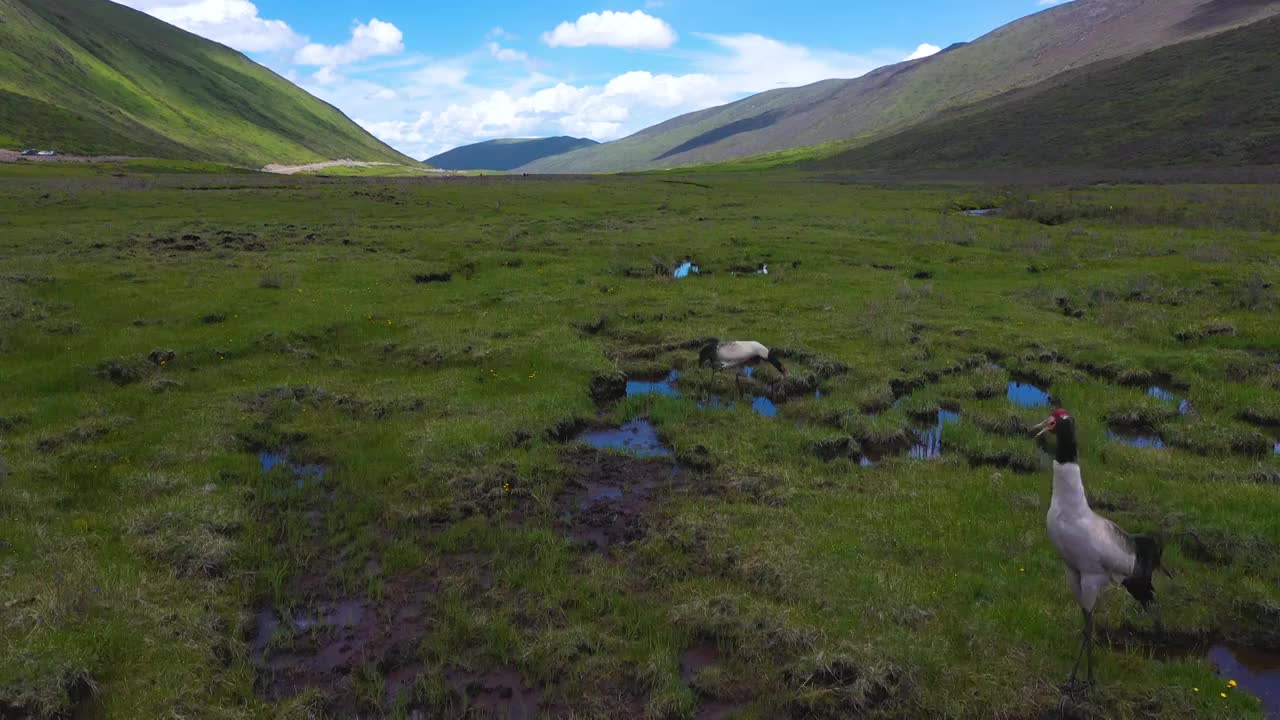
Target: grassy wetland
<point>295,447</point>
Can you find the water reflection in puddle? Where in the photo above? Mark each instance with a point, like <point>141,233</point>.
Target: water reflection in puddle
<point>637,437</point>
<point>597,493</point>
<point>301,471</point>
<point>659,387</point>
<point>685,269</point>
<point>1027,395</point>
<point>929,445</point>
<point>1257,672</point>
<point>983,212</point>
<point>1138,440</point>
<point>764,406</point>
<point>1159,393</point>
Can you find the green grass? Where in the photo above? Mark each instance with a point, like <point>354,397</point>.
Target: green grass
<point>93,77</point>
<point>133,168</point>
<point>140,535</point>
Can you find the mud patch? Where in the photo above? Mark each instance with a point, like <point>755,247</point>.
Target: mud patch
<point>426,278</point>
<point>1156,643</point>
<point>609,497</point>
<point>497,694</point>
<point>328,645</point>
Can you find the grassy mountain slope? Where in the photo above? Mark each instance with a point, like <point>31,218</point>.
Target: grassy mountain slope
<point>1214,101</point>
<point>94,77</point>
<point>892,98</point>
<point>506,153</point>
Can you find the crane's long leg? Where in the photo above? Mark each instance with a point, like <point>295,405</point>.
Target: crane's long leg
<point>1085,637</point>
<point>1089,642</point>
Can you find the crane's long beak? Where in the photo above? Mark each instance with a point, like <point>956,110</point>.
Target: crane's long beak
<point>1043,427</point>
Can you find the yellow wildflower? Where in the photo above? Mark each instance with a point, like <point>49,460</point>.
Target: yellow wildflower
<point>1232,683</point>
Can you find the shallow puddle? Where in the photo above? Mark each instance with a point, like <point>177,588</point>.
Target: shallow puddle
<point>1257,672</point>
<point>685,269</point>
<point>983,212</point>
<point>666,386</point>
<point>1138,440</point>
<point>301,471</point>
<point>1159,393</point>
<point>637,437</point>
<point>929,446</point>
<point>1027,395</point>
<point>764,406</point>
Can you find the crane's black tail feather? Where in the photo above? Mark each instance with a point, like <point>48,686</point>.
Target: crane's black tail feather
<point>1147,551</point>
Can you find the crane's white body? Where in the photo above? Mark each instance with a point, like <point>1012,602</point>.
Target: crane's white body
<point>1097,552</point>
<point>740,352</point>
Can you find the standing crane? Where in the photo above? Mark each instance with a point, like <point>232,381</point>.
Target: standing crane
<point>1097,552</point>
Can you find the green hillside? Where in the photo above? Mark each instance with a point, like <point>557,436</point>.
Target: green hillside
<point>1214,101</point>
<point>94,77</point>
<point>892,98</point>
<point>506,153</point>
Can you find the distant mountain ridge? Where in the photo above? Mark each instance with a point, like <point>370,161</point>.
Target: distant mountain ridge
<point>96,78</point>
<point>1207,102</point>
<point>893,98</point>
<point>506,153</point>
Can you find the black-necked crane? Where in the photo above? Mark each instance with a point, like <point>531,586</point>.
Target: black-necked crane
<point>1097,552</point>
<point>737,354</point>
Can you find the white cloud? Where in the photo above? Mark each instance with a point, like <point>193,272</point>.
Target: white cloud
<point>367,40</point>
<point>441,108</point>
<point>235,23</point>
<point>438,75</point>
<point>923,51</point>
<point>506,54</point>
<point>635,29</point>
<point>755,63</point>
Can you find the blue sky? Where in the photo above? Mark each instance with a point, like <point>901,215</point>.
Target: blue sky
<point>427,75</point>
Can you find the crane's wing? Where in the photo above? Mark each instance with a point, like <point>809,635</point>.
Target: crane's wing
<point>1115,547</point>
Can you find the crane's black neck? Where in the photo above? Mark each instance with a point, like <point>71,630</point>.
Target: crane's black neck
<point>1066,433</point>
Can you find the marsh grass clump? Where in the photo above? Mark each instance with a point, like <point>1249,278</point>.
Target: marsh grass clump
<point>1001,422</point>
<point>1217,438</point>
<point>1140,414</point>
<point>271,281</point>
<point>1254,294</point>
<point>191,542</point>
<point>61,693</point>
<point>746,628</point>
<point>1207,330</point>
<point>981,448</point>
<point>125,370</point>
<point>837,686</point>
<point>829,449</point>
